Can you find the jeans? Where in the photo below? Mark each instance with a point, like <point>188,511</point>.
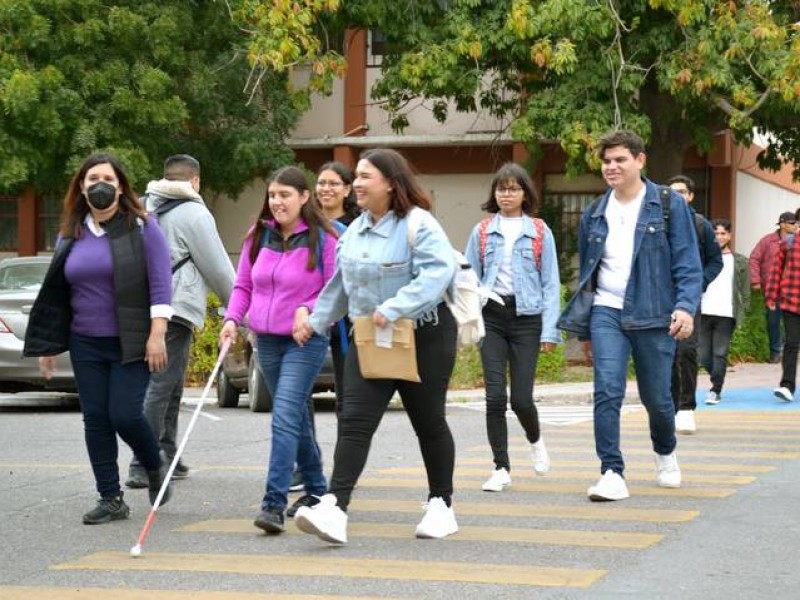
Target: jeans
<point>774,331</point>
<point>715,341</point>
<point>365,402</point>
<point>511,342</point>
<point>163,400</point>
<point>684,369</point>
<point>653,351</point>
<point>791,323</point>
<point>289,371</point>
<point>112,398</point>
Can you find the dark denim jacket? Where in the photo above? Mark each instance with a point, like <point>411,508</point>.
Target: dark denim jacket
<point>666,273</point>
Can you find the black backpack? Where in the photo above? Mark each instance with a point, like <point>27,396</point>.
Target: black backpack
<point>163,209</point>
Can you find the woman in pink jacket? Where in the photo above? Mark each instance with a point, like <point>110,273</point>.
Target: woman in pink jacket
<point>287,257</point>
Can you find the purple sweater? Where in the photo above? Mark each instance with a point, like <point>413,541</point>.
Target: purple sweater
<point>90,275</point>
<point>277,283</point>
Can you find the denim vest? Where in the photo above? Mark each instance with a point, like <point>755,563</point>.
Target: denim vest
<point>666,273</point>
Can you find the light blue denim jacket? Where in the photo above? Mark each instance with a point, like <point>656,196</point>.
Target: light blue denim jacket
<point>536,292</point>
<point>376,269</point>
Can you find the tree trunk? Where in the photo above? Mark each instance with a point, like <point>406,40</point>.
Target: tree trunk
<point>669,139</point>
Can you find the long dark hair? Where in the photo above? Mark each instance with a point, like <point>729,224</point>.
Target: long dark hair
<point>406,190</point>
<point>76,207</point>
<point>310,213</point>
<point>350,207</point>
<point>505,174</point>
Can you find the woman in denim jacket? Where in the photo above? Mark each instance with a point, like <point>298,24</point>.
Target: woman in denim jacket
<point>286,259</point>
<point>379,275</point>
<point>523,272</point>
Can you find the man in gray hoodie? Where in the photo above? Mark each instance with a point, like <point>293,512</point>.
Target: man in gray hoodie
<point>199,263</point>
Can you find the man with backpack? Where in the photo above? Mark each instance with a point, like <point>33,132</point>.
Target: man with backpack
<point>199,262</point>
<point>684,367</point>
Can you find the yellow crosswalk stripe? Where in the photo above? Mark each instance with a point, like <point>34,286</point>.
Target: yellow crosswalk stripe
<point>542,485</point>
<point>94,593</point>
<point>648,451</point>
<point>633,465</point>
<point>526,474</point>
<point>332,566</point>
<point>553,537</point>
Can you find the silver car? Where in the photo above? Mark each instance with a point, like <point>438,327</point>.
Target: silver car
<point>20,280</point>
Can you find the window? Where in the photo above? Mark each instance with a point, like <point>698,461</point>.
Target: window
<point>377,48</point>
<point>8,223</point>
<point>49,216</point>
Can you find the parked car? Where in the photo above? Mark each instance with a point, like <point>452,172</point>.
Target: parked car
<point>241,373</point>
<point>20,280</point>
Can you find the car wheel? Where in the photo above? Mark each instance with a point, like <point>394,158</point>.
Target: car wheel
<point>260,399</point>
<point>227,394</point>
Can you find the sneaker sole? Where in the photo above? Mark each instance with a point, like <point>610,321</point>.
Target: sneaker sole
<point>541,472</point>
<point>598,498</point>
<point>269,527</point>
<point>117,517</point>
<point>306,526</point>
<point>297,488</point>
<point>686,431</point>
<point>712,402</point>
<point>669,485</point>
<point>782,397</point>
<point>427,536</point>
<point>495,489</point>
<point>136,485</point>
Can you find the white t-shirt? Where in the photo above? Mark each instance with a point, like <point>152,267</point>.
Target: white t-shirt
<point>617,259</point>
<point>718,298</point>
<point>511,228</point>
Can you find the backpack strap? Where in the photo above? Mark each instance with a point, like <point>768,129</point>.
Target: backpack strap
<point>536,242</point>
<point>483,229</point>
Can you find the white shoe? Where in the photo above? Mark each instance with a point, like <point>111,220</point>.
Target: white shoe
<point>325,520</point>
<point>684,422</point>
<point>783,393</point>
<point>541,459</point>
<point>500,479</point>
<point>439,520</point>
<point>611,486</point>
<point>713,398</point>
<point>668,472</point>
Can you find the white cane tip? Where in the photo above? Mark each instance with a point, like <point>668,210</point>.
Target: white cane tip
<point>136,551</point>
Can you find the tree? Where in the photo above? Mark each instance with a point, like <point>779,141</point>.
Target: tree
<point>676,71</point>
<point>141,79</point>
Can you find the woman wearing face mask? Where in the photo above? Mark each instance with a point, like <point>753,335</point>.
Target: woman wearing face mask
<point>286,259</point>
<point>106,298</point>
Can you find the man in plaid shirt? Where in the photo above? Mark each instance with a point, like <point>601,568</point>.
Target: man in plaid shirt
<point>783,289</point>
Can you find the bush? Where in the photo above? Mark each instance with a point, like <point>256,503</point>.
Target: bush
<point>750,342</point>
<point>205,345</point>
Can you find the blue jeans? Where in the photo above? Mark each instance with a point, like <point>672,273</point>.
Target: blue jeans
<point>774,331</point>
<point>653,351</point>
<point>112,402</point>
<point>289,371</point>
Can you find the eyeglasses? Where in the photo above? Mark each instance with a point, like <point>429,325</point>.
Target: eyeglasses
<point>322,183</point>
<point>502,191</point>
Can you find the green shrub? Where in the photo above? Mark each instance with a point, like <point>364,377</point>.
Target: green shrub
<point>205,345</point>
<point>750,342</point>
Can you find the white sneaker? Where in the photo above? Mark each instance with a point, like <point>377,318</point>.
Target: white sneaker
<point>325,520</point>
<point>783,393</point>
<point>439,520</point>
<point>713,398</point>
<point>500,479</point>
<point>684,422</point>
<point>611,486</point>
<point>541,459</point>
<point>668,472</point>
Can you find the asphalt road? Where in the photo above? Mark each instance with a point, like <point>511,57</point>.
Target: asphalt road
<point>731,531</point>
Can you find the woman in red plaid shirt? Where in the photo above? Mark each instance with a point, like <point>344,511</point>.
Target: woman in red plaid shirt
<point>783,289</point>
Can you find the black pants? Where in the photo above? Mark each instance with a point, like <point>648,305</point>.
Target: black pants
<point>511,341</point>
<point>714,344</point>
<point>684,369</point>
<point>791,326</point>
<point>365,400</point>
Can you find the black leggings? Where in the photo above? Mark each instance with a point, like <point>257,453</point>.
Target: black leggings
<point>365,401</point>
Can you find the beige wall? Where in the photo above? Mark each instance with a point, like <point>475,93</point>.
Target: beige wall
<point>326,116</point>
<point>457,201</point>
<point>758,205</point>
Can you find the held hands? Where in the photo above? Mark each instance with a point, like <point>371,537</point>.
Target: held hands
<point>47,366</point>
<point>682,325</point>
<point>301,328</point>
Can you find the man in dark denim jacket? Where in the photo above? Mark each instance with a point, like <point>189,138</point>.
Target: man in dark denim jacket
<point>642,279</point>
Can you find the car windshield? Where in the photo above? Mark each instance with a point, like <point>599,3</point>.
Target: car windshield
<point>22,276</point>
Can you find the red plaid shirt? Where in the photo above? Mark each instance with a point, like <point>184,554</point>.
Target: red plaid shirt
<point>784,278</point>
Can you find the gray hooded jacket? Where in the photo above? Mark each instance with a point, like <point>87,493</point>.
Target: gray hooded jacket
<point>191,231</point>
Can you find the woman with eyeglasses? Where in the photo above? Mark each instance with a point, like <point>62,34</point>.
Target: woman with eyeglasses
<point>515,257</point>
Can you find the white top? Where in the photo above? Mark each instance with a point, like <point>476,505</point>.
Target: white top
<point>718,297</point>
<point>511,228</point>
<point>617,260</point>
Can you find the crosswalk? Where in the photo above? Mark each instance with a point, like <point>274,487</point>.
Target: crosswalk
<point>556,414</point>
<point>540,533</point>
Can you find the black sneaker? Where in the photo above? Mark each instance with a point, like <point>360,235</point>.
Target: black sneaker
<point>302,501</point>
<point>270,520</point>
<point>297,482</point>
<point>107,510</point>
<point>137,478</point>
<point>155,479</point>
<point>181,471</point>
